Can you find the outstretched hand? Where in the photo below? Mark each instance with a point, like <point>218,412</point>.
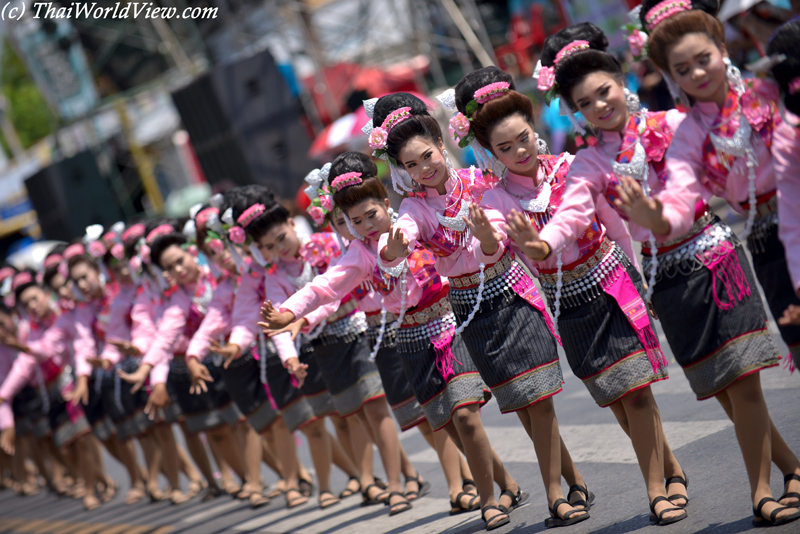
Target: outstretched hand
<point>137,378</point>
<point>299,370</point>
<point>396,246</point>
<point>80,394</point>
<point>791,316</point>
<point>157,401</point>
<point>229,352</point>
<point>125,347</point>
<point>293,328</point>
<point>640,208</point>
<point>199,375</point>
<point>480,226</point>
<point>10,341</point>
<point>523,233</point>
<point>274,319</point>
<point>8,440</point>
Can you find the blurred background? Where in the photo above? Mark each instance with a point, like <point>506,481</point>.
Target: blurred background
<point>106,119</point>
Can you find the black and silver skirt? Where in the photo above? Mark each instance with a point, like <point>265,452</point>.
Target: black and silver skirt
<point>201,411</point>
<point>602,347</point>
<point>508,339</point>
<point>717,334</point>
<point>67,422</point>
<point>291,402</point>
<point>342,353</point>
<point>242,381</point>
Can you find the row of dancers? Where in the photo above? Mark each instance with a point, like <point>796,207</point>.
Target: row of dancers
<point>425,314</point>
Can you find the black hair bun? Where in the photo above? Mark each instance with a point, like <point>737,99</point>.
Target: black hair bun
<point>585,31</point>
<point>389,103</point>
<point>466,87</point>
<point>352,162</point>
<point>786,41</point>
<point>709,6</point>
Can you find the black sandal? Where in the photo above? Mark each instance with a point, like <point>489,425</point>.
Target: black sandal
<point>499,519</point>
<point>468,482</point>
<point>457,508</point>
<point>568,518</point>
<point>759,520</point>
<point>587,502</point>
<point>516,500</point>
<point>329,503</point>
<point>369,501</point>
<point>306,487</point>
<point>790,495</point>
<point>685,482</point>
<point>659,518</point>
<point>293,503</point>
<point>347,492</point>
<point>404,504</point>
<point>211,493</point>
<point>424,488</point>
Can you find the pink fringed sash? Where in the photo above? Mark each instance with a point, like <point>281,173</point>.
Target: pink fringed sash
<point>723,262</point>
<point>525,288</point>
<point>619,285</point>
<point>443,344</point>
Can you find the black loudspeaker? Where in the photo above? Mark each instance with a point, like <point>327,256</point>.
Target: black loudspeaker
<point>246,126</point>
<point>71,194</point>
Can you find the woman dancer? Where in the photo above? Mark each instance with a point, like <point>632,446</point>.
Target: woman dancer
<point>725,142</point>
<point>347,275</point>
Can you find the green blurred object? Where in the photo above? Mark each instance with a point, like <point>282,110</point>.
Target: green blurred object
<point>27,108</point>
<point>179,202</point>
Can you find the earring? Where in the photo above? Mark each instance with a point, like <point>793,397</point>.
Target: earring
<point>734,76</point>
<point>392,215</point>
<point>447,159</point>
<point>541,145</point>
<point>632,101</point>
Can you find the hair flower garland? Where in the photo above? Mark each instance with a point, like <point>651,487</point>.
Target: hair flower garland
<point>97,249</point>
<point>118,251</point>
<point>237,235</point>
<point>345,180</point>
<point>488,92</point>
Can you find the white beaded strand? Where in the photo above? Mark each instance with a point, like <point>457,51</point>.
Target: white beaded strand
<point>651,280</point>
<point>262,360</point>
<point>478,299</point>
<point>559,285</point>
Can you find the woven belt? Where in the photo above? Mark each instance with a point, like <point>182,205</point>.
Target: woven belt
<point>374,318</point>
<point>581,270</point>
<point>492,271</point>
<point>700,224</point>
<point>344,310</point>
<point>766,204</point>
<point>438,309</point>
<point>60,382</point>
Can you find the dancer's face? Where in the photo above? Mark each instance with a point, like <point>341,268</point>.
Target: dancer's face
<point>35,302</point>
<point>223,259</point>
<point>121,271</point>
<point>179,265</point>
<point>87,279</point>
<point>62,286</point>
<point>600,97</point>
<point>697,64</point>
<point>424,161</point>
<point>370,217</point>
<point>513,142</point>
<point>280,242</point>
<point>339,224</point>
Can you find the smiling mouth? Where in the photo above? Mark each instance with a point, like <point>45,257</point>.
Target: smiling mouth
<point>524,161</point>
<point>704,84</point>
<point>429,177</point>
<point>607,115</point>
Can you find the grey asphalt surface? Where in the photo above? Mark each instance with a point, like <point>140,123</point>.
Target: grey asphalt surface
<point>700,434</point>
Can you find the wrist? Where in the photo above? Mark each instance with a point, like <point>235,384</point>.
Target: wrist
<point>541,251</point>
<point>238,349</point>
<point>386,255</point>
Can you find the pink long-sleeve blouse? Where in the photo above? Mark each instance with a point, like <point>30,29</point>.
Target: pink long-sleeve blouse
<point>119,322</point>
<point>7,357</point>
<point>786,152</point>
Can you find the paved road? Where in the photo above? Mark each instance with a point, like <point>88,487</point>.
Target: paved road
<point>702,437</point>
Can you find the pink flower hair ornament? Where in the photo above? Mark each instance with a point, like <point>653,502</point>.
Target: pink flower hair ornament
<point>570,49</point>
<point>216,246</point>
<point>237,235</point>
<point>8,272</point>
<point>546,78</point>
<point>53,260</point>
<point>159,231</point>
<point>318,214</point>
<point>251,214</point>
<point>97,249</point>
<point>663,10</point>
<point>488,92</point>
<point>21,279</point>
<point>202,218</point>
<point>345,180</point>
<point>379,136</point>
<point>794,86</point>
<point>75,249</point>
<point>133,233</point>
<point>118,251</point>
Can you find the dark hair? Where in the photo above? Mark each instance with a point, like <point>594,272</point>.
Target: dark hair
<point>18,291</point>
<point>494,111</point>
<point>50,272</point>
<point>82,258</point>
<point>5,309</point>
<point>241,198</point>
<point>130,244</point>
<point>163,242</point>
<point>701,19</point>
<point>202,233</point>
<point>420,124</point>
<point>573,69</point>
<point>787,41</point>
<point>370,186</point>
<point>466,87</point>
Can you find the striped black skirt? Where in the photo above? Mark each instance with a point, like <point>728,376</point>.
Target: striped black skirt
<point>126,409</point>
<point>715,347</point>
<point>439,397</point>
<point>769,264</point>
<point>95,412</point>
<point>602,347</point>
<point>205,411</point>
<point>352,379</point>
<point>290,401</point>
<point>28,409</point>
<point>67,422</point>
<point>510,343</point>
<point>242,381</point>
<point>399,393</point>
